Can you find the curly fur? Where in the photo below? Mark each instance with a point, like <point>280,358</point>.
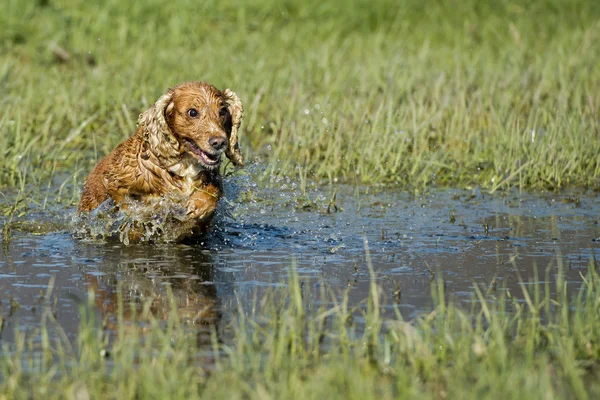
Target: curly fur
<point>172,152</point>
<point>237,115</point>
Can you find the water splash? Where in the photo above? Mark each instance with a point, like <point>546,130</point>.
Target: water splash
<point>162,220</point>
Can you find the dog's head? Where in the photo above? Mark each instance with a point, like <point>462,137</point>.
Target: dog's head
<point>198,119</point>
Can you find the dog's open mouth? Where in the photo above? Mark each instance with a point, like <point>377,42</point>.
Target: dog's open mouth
<point>204,157</point>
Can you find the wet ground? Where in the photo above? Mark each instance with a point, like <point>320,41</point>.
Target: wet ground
<point>465,236</point>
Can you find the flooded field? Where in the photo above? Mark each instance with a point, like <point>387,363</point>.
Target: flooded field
<point>468,237</point>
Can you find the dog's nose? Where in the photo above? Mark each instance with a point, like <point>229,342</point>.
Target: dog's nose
<point>217,143</point>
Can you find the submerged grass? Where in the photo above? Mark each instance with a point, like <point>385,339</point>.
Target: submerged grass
<point>539,347</point>
<point>493,93</point>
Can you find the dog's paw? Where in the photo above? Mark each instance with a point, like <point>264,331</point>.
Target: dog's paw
<point>201,205</point>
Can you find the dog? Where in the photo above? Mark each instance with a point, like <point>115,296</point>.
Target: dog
<point>176,151</point>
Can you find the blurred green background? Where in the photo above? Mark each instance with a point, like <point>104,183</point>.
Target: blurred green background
<point>491,93</point>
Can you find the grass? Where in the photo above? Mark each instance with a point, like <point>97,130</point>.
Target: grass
<point>536,347</point>
<point>490,93</point>
<point>494,93</point>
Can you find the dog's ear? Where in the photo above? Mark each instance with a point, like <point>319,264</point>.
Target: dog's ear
<point>156,130</point>
<point>236,110</point>
<point>169,109</point>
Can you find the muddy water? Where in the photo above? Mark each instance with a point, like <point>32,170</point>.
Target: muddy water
<point>466,236</point>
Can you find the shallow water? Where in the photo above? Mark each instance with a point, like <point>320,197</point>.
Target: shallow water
<point>467,237</point>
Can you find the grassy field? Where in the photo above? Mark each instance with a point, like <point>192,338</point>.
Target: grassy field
<point>540,348</point>
<point>490,93</point>
<point>495,94</point>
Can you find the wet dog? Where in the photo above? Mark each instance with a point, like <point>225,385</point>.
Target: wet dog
<point>176,151</point>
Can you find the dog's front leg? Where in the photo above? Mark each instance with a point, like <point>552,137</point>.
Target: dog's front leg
<point>203,202</point>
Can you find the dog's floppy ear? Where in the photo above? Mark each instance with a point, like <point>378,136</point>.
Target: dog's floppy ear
<point>237,115</point>
<point>156,130</point>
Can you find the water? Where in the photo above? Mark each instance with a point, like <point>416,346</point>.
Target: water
<point>467,237</point>
<point>162,220</point>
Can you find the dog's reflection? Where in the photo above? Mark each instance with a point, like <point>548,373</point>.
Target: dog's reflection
<point>157,281</point>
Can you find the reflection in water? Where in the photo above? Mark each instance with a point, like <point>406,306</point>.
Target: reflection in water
<point>179,284</point>
<point>466,237</point>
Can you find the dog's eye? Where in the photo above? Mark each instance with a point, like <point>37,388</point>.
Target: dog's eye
<point>223,112</point>
<point>192,112</point>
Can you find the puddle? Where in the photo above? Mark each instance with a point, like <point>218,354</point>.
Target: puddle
<point>468,237</point>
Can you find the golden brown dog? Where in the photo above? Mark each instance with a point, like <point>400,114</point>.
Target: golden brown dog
<point>176,150</point>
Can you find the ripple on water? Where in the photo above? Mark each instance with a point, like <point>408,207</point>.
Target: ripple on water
<point>468,238</point>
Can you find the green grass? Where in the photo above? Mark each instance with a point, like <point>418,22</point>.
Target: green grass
<point>540,347</point>
<point>491,93</point>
